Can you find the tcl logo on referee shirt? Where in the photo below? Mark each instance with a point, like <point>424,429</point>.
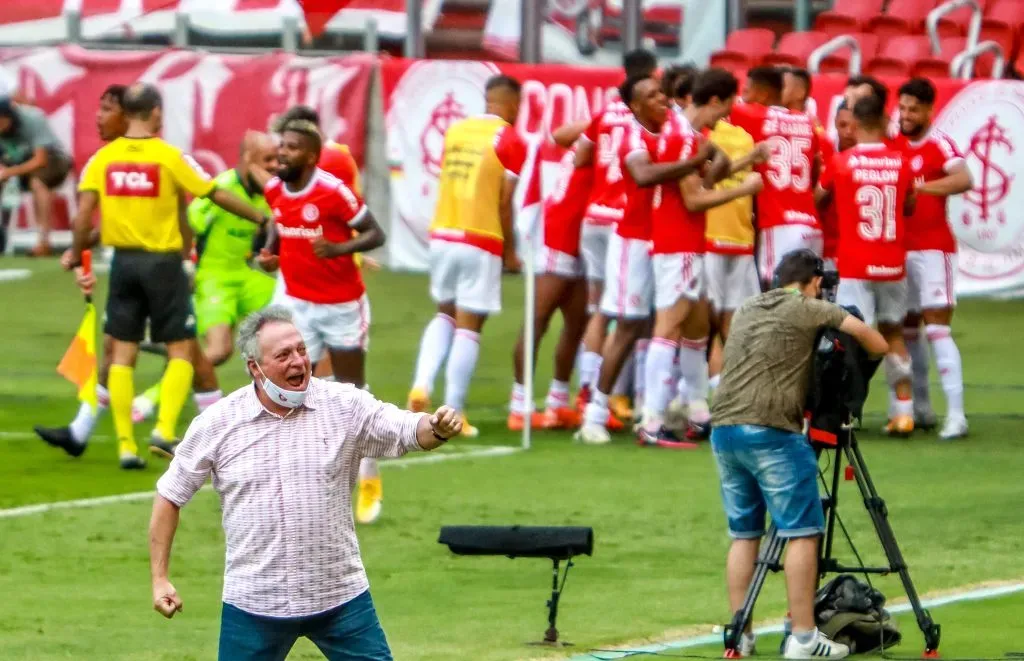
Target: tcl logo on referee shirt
<point>133,179</point>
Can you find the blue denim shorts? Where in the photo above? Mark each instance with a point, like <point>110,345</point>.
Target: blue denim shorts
<point>765,469</point>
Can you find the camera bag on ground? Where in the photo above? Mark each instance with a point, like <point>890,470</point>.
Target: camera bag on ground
<point>851,612</point>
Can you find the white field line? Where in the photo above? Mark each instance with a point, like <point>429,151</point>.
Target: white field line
<point>712,638</point>
<point>475,452</point>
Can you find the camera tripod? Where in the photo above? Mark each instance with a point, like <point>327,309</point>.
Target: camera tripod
<point>844,444</point>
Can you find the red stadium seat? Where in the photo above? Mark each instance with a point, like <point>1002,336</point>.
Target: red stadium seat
<point>744,49</point>
<point>903,17</point>
<point>794,47</point>
<point>1004,16</point>
<point>956,24</point>
<point>937,66</point>
<point>897,55</point>
<point>840,61</point>
<point>1002,36</point>
<point>847,16</point>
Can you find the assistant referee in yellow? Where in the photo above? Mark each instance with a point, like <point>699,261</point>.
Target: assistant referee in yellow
<point>135,183</point>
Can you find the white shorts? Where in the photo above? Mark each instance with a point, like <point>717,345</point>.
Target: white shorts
<point>556,262</point>
<point>629,287</point>
<point>731,279</point>
<point>594,249</point>
<point>677,275</point>
<point>884,302</point>
<point>773,244</point>
<point>339,326</point>
<point>930,281</point>
<point>465,275</point>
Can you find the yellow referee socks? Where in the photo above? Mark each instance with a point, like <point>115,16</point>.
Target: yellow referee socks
<point>174,389</point>
<point>121,385</point>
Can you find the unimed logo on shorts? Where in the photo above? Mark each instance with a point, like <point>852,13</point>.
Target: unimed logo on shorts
<point>133,179</point>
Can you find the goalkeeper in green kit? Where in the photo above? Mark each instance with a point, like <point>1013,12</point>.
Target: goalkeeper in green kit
<point>227,287</point>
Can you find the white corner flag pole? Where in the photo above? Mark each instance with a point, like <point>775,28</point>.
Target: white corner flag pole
<point>528,339</point>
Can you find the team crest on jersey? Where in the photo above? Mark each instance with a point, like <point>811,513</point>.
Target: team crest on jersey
<point>917,163</point>
<point>310,213</point>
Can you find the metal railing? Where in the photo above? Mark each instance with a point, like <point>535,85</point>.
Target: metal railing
<point>837,44</point>
<point>962,65</point>
<point>937,14</point>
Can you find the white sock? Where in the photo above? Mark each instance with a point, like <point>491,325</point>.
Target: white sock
<point>558,395</point>
<point>85,420</point>
<point>518,403</point>
<point>624,381</point>
<point>660,357</point>
<point>205,400</point>
<point>673,388</point>
<point>640,372</point>
<point>437,340</point>
<point>368,469</point>
<point>596,412</point>
<point>461,364</point>
<point>904,407</point>
<point>947,358</point>
<point>918,350</point>
<point>590,367</point>
<point>892,403</point>
<point>693,364</point>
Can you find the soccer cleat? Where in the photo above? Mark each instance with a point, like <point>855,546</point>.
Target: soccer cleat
<point>468,430</point>
<point>675,416</point>
<point>924,417</point>
<point>60,437</point>
<point>663,438</point>
<point>419,400</point>
<point>131,461</point>
<point>901,426</point>
<point>613,424</point>
<point>620,407</point>
<point>698,431</point>
<point>590,434</point>
<point>954,428</point>
<point>582,398</point>
<point>820,647</point>
<point>162,447</point>
<point>369,500</point>
<point>143,409</point>
<point>516,421</point>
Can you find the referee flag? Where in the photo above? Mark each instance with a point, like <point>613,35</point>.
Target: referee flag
<point>79,362</point>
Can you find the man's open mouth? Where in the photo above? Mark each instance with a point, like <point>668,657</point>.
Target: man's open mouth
<point>296,381</point>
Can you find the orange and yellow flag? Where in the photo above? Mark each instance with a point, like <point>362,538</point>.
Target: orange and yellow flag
<point>79,362</point>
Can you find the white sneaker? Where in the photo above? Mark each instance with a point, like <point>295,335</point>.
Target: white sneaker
<point>591,434</point>
<point>143,408</point>
<point>955,427</point>
<point>747,645</point>
<point>819,647</point>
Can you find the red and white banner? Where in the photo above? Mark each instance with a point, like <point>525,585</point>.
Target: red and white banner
<point>985,119</point>
<point>209,100</point>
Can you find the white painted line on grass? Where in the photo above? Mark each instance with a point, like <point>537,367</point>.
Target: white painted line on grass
<point>475,452</point>
<point>712,638</point>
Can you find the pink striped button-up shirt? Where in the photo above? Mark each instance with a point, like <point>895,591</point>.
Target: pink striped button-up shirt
<point>285,486</point>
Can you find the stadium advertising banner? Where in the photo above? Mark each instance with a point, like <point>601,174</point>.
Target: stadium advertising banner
<point>984,118</point>
<point>209,100</point>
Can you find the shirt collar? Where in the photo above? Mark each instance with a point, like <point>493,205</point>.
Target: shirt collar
<point>254,407</point>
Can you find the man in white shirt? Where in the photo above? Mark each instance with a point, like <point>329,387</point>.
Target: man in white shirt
<point>284,456</point>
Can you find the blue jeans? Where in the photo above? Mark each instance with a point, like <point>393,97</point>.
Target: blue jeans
<point>761,469</point>
<point>349,632</point>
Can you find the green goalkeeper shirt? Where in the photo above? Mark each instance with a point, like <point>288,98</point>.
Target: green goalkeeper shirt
<point>224,241</point>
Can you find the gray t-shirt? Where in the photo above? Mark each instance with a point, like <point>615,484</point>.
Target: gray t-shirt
<point>768,359</point>
<point>32,132</point>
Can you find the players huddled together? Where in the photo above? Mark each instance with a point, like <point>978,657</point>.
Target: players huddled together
<point>673,205</point>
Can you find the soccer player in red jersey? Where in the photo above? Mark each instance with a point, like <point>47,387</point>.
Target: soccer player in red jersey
<point>786,215</point>
<point>677,247</point>
<point>846,137</point>
<point>872,185</point>
<point>560,285</point>
<point>628,293</point>
<point>939,171</point>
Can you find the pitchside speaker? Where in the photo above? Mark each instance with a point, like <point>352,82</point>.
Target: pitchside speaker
<point>556,544</point>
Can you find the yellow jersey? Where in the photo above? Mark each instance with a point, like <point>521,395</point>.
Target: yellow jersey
<point>138,181</point>
<point>730,227</point>
<point>479,152</point>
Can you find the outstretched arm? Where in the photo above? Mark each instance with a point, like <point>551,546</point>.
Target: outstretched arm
<point>956,182</point>
<point>646,173</point>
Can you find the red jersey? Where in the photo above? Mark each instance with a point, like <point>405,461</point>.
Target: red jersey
<point>931,158</point>
<point>788,195</point>
<point>607,131</point>
<point>870,183</point>
<point>636,217</point>
<point>830,217</point>
<point>675,229</point>
<point>336,159</point>
<point>326,208</point>
<point>565,206</point>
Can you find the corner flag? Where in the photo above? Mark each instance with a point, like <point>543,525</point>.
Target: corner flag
<point>79,362</point>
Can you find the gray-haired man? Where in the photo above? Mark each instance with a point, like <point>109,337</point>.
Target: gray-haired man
<point>284,454</point>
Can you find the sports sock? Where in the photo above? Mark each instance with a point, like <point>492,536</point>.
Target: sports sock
<point>122,391</point>
<point>805,637</point>
<point>590,367</point>
<point>693,365</point>
<point>947,358</point>
<point>892,402</point>
<point>461,363</point>
<point>518,403</point>
<point>205,400</point>
<point>904,407</point>
<point>558,395</point>
<point>85,421</point>
<point>596,412</point>
<point>640,372</point>
<point>918,350</point>
<point>660,358</point>
<point>174,389</point>
<point>368,469</point>
<point>437,340</point>
<point>624,381</point>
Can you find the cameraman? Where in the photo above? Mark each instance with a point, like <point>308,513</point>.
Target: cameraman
<point>764,461</point>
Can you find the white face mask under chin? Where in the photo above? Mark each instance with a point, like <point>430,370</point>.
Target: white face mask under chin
<point>291,399</point>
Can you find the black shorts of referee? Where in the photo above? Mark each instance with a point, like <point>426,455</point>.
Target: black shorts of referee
<point>149,286</point>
